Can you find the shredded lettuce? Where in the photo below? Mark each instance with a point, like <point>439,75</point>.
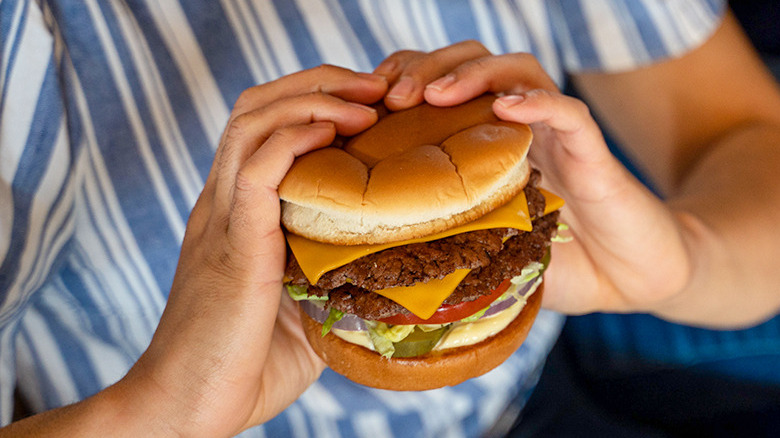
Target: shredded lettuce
<point>334,316</point>
<point>561,239</point>
<point>529,272</point>
<point>382,345</point>
<point>430,327</point>
<point>384,336</point>
<point>394,333</point>
<point>301,293</point>
<point>479,314</point>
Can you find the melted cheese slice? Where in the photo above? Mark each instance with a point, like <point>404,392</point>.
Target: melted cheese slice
<point>317,258</point>
<point>552,201</point>
<point>424,299</point>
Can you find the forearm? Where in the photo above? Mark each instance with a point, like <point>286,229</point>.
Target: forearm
<point>729,207</point>
<point>705,129</point>
<point>112,412</point>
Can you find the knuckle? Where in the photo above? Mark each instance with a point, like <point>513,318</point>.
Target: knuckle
<point>403,60</point>
<point>416,67</point>
<point>474,45</point>
<point>200,211</point>
<point>243,182</point>
<point>480,63</point>
<point>232,144</point>
<point>580,107</point>
<point>523,59</point>
<point>245,99</point>
<point>322,69</point>
<point>238,126</point>
<point>405,53</point>
<point>526,59</point>
<point>531,58</point>
<point>286,134</point>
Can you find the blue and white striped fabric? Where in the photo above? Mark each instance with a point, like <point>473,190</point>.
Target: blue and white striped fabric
<point>110,112</point>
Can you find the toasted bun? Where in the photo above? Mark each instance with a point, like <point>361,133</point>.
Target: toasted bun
<point>414,173</point>
<point>433,370</point>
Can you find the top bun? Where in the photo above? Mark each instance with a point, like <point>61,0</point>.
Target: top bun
<point>415,172</point>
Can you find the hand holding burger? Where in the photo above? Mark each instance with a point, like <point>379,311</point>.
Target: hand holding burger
<point>229,351</point>
<point>418,246</point>
<point>629,252</point>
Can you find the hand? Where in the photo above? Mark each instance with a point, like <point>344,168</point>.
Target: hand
<point>628,252</point>
<point>228,354</point>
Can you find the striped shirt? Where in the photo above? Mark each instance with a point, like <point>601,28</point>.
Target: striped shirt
<point>110,113</point>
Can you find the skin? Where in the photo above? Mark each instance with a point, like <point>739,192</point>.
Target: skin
<point>705,133</point>
<point>229,352</point>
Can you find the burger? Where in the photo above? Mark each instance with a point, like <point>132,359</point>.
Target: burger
<point>417,247</point>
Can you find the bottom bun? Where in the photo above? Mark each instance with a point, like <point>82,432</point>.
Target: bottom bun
<point>433,370</point>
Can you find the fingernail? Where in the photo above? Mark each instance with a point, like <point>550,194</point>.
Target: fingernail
<point>363,107</point>
<point>402,89</point>
<point>442,83</point>
<point>511,100</point>
<point>372,77</point>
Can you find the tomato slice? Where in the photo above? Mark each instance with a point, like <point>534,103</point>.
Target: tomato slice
<point>450,313</point>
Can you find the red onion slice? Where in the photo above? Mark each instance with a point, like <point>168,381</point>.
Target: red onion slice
<point>499,306</point>
<point>320,313</point>
<point>509,301</point>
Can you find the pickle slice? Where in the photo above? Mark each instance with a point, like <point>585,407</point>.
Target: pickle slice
<point>418,342</point>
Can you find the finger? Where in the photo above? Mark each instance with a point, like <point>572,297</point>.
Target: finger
<point>340,82</point>
<point>568,118</point>
<point>415,70</point>
<point>247,132</point>
<point>327,79</point>
<point>568,145</point>
<point>254,211</point>
<point>512,74</point>
<point>392,67</point>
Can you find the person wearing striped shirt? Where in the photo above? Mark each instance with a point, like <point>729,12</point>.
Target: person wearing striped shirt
<point>112,114</point>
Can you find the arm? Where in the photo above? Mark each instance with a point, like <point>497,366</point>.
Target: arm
<point>701,257</point>
<point>706,129</point>
<point>229,351</point>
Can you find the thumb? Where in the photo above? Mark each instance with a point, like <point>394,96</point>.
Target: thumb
<point>568,144</point>
<point>568,118</point>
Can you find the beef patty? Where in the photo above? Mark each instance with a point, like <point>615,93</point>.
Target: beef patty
<point>491,259</point>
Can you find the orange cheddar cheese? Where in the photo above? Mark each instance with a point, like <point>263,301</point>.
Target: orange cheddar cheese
<point>317,258</point>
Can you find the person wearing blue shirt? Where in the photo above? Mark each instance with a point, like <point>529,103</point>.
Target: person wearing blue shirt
<point>141,250</point>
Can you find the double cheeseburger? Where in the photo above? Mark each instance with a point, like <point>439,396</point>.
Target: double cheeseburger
<point>416,247</point>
